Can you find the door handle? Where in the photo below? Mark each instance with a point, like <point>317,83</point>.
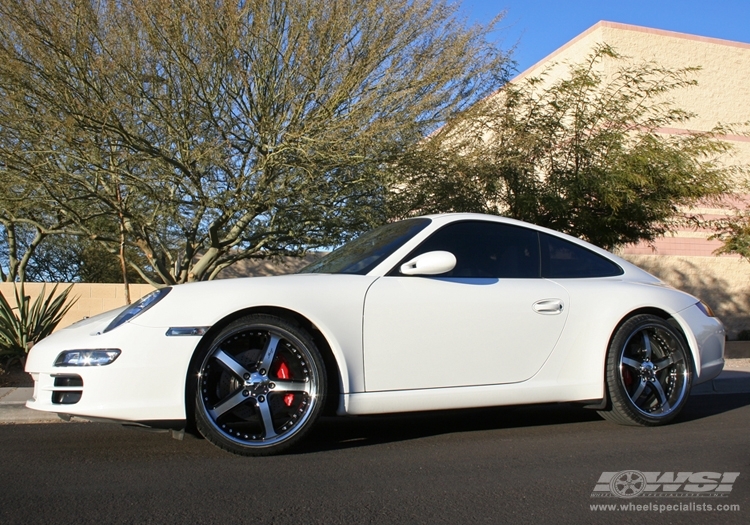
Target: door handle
<point>548,306</point>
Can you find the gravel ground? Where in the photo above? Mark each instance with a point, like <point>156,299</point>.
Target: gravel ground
<point>16,377</point>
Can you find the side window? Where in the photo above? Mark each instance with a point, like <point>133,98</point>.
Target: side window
<point>485,249</point>
<point>562,259</point>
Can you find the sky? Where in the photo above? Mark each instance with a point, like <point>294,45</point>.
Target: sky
<point>539,27</point>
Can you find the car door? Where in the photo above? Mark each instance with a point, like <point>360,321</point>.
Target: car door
<point>490,320</point>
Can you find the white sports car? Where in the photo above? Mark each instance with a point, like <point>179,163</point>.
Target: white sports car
<point>436,312</point>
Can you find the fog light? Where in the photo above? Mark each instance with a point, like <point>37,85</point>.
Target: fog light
<point>87,357</point>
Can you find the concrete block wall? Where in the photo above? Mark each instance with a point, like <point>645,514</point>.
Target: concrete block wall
<point>93,298</point>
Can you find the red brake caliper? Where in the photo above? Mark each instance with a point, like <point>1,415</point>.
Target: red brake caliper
<point>627,378</point>
<point>283,373</point>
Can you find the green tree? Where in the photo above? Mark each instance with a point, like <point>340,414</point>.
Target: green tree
<point>200,133</point>
<point>582,154</point>
<point>734,229</point>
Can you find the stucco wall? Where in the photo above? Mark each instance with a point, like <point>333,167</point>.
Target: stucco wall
<point>722,282</point>
<point>266,267</point>
<point>723,90</point>
<point>93,299</point>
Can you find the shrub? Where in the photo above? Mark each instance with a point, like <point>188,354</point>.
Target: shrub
<point>23,326</point>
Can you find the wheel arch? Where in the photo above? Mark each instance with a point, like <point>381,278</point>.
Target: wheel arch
<point>334,369</point>
<point>676,323</point>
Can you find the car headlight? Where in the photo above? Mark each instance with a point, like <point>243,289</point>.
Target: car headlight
<point>703,307</point>
<point>87,357</point>
<point>138,307</point>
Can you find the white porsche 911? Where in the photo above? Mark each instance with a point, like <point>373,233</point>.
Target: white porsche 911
<point>436,312</point>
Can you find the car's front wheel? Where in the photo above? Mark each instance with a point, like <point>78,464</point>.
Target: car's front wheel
<point>261,385</point>
<point>649,372</point>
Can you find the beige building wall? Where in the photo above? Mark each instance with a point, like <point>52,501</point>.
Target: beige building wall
<point>720,282</point>
<point>93,298</point>
<point>723,90</point>
<point>266,267</point>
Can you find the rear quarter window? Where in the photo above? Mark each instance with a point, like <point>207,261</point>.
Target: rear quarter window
<point>562,259</point>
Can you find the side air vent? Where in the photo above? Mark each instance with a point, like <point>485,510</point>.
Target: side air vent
<point>71,380</point>
<point>67,389</point>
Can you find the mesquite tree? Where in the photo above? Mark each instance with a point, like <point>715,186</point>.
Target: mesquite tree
<point>199,132</point>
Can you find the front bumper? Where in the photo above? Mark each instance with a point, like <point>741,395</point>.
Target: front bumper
<point>145,383</point>
<point>707,338</point>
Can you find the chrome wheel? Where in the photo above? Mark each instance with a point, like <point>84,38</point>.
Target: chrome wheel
<point>260,386</point>
<point>648,372</point>
<point>653,370</point>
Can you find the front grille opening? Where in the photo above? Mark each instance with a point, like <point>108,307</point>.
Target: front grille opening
<point>69,380</point>
<point>66,398</point>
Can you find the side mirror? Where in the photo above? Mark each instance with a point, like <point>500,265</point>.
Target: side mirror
<point>430,263</point>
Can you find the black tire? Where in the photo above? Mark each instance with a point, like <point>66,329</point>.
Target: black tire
<point>260,388</point>
<point>649,372</point>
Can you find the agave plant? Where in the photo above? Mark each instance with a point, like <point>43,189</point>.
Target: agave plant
<point>29,322</point>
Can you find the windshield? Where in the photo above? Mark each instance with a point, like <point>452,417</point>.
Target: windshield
<point>367,251</point>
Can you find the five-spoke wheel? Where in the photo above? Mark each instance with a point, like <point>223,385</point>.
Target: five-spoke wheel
<point>648,372</point>
<point>261,385</point>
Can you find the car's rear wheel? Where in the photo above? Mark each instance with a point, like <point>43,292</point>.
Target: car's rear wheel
<point>261,385</point>
<point>649,372</point>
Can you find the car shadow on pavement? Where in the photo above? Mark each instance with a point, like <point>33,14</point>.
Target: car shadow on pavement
<point>699,407</point>
<point>331,433</point>
<point>334,433</point>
